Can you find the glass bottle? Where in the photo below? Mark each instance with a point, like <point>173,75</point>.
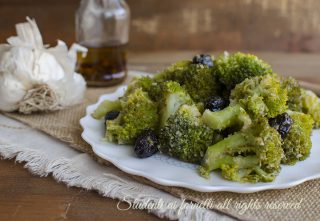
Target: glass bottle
<point>102,26</point>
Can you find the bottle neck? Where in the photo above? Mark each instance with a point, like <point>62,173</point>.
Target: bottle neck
<point>102,22</point>
<point>105,4</point>
<point>110,3</point>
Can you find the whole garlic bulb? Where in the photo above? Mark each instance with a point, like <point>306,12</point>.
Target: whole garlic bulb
<point>34,77</point>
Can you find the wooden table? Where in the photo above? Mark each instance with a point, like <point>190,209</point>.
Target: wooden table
<point>27,197</point>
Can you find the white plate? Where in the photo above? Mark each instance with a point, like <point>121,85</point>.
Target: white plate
<point>168,171</point>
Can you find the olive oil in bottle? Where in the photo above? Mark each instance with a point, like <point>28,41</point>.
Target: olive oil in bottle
<point>102,26</point>
<point>103,66</point>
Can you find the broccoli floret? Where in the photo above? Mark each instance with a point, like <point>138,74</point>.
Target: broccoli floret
<point>105,107</point>
<point>258,96</point>
<point>251,155</point>
<point>311,105</point>
<point>261,96</point>
<point>197,79</point>
<point>297,144</point>
<point>138,112</point>
<point>147,84</point>
<point>233,69</point>
<point>200,82</point>
<point>174,72</point>
<point>143,82</point>
<point>231,116</point>
<point>293,89</point>
<point>302,100</point>
<point>185,137</point>
<point>173,96</point>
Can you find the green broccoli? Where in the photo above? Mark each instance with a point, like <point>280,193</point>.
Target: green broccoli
<point>197,79</point>
<point>143,82</point>
<point>200,82</point>
<point>185,137</point>
<point>235,68</point>
<point>138,112</point>
<point>251,155</point>
<point>297,144</point>
<point>173,96</point>
<point>260,96</point>
<point>231,116</point>
<point>147,84</point>
<point>105,107</point>
<point>293,89</point>
<point>311,105</point>
<point>302,100</point>
<point>174,72</point>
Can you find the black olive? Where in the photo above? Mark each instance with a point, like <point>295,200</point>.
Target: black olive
<point>203,59</point>
<point>146,144</point>
<point>111,115</point>
<point>216,103</point>
<point>282,123</point>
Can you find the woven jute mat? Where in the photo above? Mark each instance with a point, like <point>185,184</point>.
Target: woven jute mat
<point>298,203</point>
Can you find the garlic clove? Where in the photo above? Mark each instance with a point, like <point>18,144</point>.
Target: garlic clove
<point>70,90</point>
<point>19,62</point>
<point>60,52</point>
<point>47,69</point>
<point>11,92</point>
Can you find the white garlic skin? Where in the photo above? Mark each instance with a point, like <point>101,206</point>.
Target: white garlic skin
<point>26,63</point>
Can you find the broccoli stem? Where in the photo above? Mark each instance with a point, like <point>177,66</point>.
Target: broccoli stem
<point>221,153</point>
<point>246,161</point>
<point>216,154</point>
<point>230,116</point>
<point>266,177</point>
<point>172,104</point>
<point>105,107</point>
<point>242,162</point>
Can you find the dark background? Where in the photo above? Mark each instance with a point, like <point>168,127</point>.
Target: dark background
<point>264,25</point>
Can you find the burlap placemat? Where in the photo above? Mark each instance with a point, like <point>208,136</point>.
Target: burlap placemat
<point>299,203</point>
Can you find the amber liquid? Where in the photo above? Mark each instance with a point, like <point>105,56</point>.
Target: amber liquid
<point>103,66</point>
